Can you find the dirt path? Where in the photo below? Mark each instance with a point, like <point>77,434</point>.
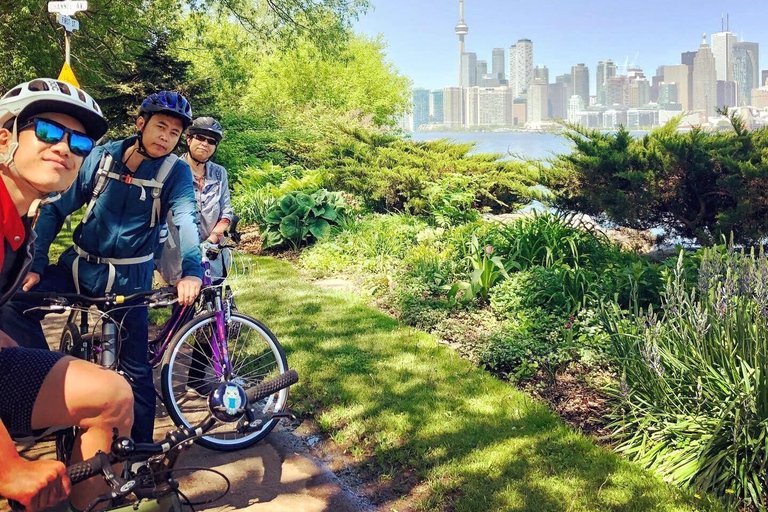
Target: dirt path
<point>277,474</point>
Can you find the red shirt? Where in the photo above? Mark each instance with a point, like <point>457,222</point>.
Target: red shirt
<point>11,225</point>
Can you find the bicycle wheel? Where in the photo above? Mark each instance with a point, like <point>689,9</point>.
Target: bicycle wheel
<point>71,343</point>
<point>255,355</point>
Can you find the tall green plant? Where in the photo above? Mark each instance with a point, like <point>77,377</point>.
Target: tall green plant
<point>486,271</point>
<point>693,397</point>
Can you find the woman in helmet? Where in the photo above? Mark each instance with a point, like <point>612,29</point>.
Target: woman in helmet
<point>214,206</point>
<point>130,186</point>
<point>47,129</point>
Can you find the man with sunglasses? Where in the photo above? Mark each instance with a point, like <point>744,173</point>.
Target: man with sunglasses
<point>129,186</point>
<point>47,127</point>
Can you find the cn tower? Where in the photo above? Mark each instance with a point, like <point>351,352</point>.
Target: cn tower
<point>461,30</point>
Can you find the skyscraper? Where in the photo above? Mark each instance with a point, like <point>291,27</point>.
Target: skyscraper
<point>746,70</point>
<point>436,106</point>
<point>538,102</point>
<point>541,72</point>
<point>420,107</point>
<point>704,80</point>
<point>520,66</point>
<point>763,77</point>
<point>668,94</point>
<point>461,30</point>
<point>453,107</point>
<point>580,74</point>
<point>605,70</point>
<point>482,68</point>
<point>687,59</point>
<point>722,49</point>
<point>469,69</point>
<point>557,101</point>
<point>497,63</point>
<point>678,75</point>
<point>567,80</point>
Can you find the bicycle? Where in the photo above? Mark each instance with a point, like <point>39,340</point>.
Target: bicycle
<point>199,346</point>
<point>152,481</point>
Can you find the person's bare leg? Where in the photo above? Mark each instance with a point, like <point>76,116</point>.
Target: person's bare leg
<point>97,400</point>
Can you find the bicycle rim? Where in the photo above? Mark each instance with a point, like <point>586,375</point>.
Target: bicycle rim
<point>255,355</point>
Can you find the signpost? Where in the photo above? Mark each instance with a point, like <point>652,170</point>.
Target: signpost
<point>65,10</point>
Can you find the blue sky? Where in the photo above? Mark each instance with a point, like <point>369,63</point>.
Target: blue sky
<point>422,44</point>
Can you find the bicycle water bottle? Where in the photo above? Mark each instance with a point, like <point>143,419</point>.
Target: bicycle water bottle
<point>109,344</point>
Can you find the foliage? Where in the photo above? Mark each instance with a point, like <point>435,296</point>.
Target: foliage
<point>298,218</point>
<point>395,174</point>
<point>486,271</point>
<point>697,184</point>
<point>694,395</point>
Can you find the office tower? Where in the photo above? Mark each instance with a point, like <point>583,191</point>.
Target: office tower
<point>541,72</point>
<point>760,98</point>
<point>638,88</point>
<point>575,105</point>
<point>567,80</point>
<point>605,69</point>
<point>726,93</point>
<point>617,91</point>
<point>557,101</point>
<point>538,102</point>
<point>494,106</point>
<point>746,67</point>
<point>668,94</point>
<point>722,49</point>
<point>471,105</point>
<point>763,77</point>
<point>655,81</point>
<point>482,68</point>
<point>704,80</point>
<point>687,59</point>
<point>580,74</point>
<point>436,106</point>
<point>679,75</point>
<point>469,69</point>
<point>461,30</point>
<point>453,107</point>
<point>497,63</point>
<point>520,66</point>
<point>420,107</point>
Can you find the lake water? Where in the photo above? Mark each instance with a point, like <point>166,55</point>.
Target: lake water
<point>526,144</point>
<point>532,145</point>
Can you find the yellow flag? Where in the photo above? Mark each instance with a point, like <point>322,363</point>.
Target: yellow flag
<point>68,76</point>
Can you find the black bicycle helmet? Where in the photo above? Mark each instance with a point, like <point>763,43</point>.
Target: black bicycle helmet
<point>170,103</point>
<point>207,126</point>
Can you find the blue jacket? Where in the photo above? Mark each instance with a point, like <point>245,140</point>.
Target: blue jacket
<point>119,225</point>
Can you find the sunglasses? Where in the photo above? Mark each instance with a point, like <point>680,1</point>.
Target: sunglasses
<point>52,132</point>
<point>202,138</point>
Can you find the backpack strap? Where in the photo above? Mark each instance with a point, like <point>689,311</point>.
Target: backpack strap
<point>160,177</point>
<point>102,179</point>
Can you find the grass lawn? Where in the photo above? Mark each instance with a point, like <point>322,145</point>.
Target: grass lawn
<point>395,399</point>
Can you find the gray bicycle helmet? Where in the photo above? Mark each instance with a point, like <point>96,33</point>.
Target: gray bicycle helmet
<point>207,126</point>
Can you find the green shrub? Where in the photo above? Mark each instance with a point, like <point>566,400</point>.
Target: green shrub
<point>486,271</point>
<point>298,218</point>
<point>693,397</point>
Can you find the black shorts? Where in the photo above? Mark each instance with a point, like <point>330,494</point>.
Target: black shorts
<point>22,372</point>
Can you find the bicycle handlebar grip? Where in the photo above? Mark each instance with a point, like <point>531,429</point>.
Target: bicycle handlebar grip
<point>84,470</point>
<point>264,389</point>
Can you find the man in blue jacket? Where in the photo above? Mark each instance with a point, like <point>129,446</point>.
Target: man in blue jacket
<point>129,186</point>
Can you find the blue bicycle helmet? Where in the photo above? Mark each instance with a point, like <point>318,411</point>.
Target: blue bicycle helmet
<point>170,103</point>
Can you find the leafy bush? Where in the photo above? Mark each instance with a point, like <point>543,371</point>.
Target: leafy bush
<point>693,397</point>
<point>486,271</point>
<point>297,218</point>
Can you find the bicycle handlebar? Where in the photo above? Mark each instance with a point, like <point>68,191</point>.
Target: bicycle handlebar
<point>79,299</point>
<point>123,448</point>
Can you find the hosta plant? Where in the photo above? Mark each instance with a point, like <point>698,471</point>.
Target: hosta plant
<point>298,218</point>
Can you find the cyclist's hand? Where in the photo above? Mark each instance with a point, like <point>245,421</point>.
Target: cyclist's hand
<point>187,289</point>
<point>31,280</point>
<point>37,485</point>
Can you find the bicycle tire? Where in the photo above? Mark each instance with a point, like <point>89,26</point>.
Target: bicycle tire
<point>262,357</point>
<point>71,343</point>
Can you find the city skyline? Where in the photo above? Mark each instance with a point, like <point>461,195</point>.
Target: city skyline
<point>567,34</point>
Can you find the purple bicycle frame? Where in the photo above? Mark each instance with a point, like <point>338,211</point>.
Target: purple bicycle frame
<point>182,314</point>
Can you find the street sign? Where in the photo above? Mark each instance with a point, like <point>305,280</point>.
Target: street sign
<point>67,8</point>
<point>69,24</point>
